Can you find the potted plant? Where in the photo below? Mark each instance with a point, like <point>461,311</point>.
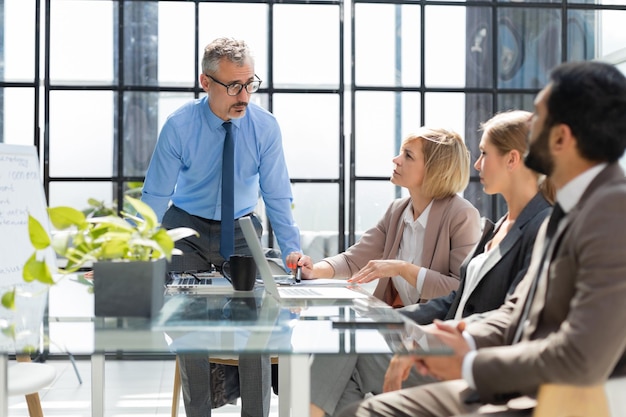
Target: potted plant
<point>128,253</point>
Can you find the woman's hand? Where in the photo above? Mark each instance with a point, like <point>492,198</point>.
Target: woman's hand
<point>386,268</point>
<point>306,263</point>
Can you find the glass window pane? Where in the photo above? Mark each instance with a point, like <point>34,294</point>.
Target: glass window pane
<point>445,46</point>
<point>446,110</point>
<point>314,59</point>
<point>76,194</point>
<point>176,43</point>
<point>479,109</point>
<point>601,2</point>
<point>17,106</point>
<point>144,116</point>
<point>310,128</point>
<point>81,139</point>
<point>609,25</point>
<point>169,102</point>
<point>250,25</point>
<point>316,206</point>
<point>529,46</point>
<point>516,101</point>
<point>75,54</point>
<point>140,130</point>
<point>372,198</point>
<point>397,29</point>
<point>383,119</point>
<point>479,51</point>
<point>581,35</point>
<point>17,51</point>
<point>140,43</point>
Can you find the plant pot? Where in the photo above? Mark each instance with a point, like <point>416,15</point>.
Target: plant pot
<point>129,289</point>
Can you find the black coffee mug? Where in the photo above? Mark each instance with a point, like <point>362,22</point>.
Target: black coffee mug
<point>240,270</point>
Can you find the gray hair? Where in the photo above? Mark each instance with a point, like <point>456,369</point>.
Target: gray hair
<point>235,51</point>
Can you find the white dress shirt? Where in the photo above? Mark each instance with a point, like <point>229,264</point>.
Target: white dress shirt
<point>411,251</point>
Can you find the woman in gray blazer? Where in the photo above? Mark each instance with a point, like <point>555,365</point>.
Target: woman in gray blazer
<point>417,248</point>
<point>489,273</point>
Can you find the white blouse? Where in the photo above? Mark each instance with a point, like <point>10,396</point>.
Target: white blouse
<point>473,277</point>
<point>410,250</point>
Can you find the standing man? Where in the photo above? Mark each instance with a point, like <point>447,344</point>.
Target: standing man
<point>213,157</point>
<point>565,322</point>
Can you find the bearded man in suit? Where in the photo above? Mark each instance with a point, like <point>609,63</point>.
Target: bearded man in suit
<point>565,322</point>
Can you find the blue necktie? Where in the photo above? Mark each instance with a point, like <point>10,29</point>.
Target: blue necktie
<point>227,239</point>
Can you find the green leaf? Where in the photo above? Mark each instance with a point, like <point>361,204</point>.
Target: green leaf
<point>9,331</point>
<point>38,235</point>
<point>114,249</point>
<point>60,242</point>
<point>8,300</point>
<point>28,349</point>
<point>145,211</point>
<point>111,222</point>
<point>181,233</point>
<point>145,249</point>
<point>64,217</point>
<point>165,242</point>
<point>37,270</point>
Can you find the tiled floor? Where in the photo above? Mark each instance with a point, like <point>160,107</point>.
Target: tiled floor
<point>132,388</point>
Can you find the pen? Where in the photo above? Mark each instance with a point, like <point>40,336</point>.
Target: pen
<point>298,273</point>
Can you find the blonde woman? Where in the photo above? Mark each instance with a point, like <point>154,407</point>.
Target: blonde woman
<point>416,249</point>
<point>491,271</point>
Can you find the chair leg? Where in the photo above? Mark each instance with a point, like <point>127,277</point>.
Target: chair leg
<point>176,392</point>
<point>32,400</point>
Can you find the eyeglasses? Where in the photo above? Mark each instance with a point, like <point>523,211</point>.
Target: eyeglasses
<point>235,88</point>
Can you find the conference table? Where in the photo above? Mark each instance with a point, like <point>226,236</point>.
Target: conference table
<point>220,322</point>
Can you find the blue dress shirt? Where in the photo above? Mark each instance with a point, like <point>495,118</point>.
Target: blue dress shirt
<point>186,168</point>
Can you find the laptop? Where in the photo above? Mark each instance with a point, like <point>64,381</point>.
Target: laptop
<point>197,282</point>
<point>294,291</point>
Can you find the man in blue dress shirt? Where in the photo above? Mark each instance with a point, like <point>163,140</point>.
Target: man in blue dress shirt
<point>183,185</point>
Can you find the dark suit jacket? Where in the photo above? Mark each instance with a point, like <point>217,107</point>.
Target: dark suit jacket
<point>576,329</point>
<point>501,273</point>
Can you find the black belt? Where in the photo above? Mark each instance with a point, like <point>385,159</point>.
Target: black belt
<point>211,221</point>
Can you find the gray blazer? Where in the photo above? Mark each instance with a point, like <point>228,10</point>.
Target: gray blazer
<point>502,270</point>
<point>576,329</point>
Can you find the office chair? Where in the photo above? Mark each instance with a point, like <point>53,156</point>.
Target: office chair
<point>177,384</point>
<point>560,400</point>
<point>27,378</point>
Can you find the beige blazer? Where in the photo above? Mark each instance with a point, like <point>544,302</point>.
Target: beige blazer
<point>452,230</point>
<point>576,329</point>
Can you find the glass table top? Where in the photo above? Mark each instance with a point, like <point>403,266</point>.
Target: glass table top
<point>227,322</point>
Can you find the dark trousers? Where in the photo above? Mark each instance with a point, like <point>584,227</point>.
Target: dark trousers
<point>200,253</point>
<point>206,386</point>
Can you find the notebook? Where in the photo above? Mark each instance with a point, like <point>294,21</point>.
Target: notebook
<point>294,291</point>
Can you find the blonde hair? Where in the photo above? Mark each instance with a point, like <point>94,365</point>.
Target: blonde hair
<point>446,161</point>
<point>508,131</point>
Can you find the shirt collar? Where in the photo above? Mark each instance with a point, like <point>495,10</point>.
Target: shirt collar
<point>422,219</point>
<point>571,192</point>
<point>214,121</point>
